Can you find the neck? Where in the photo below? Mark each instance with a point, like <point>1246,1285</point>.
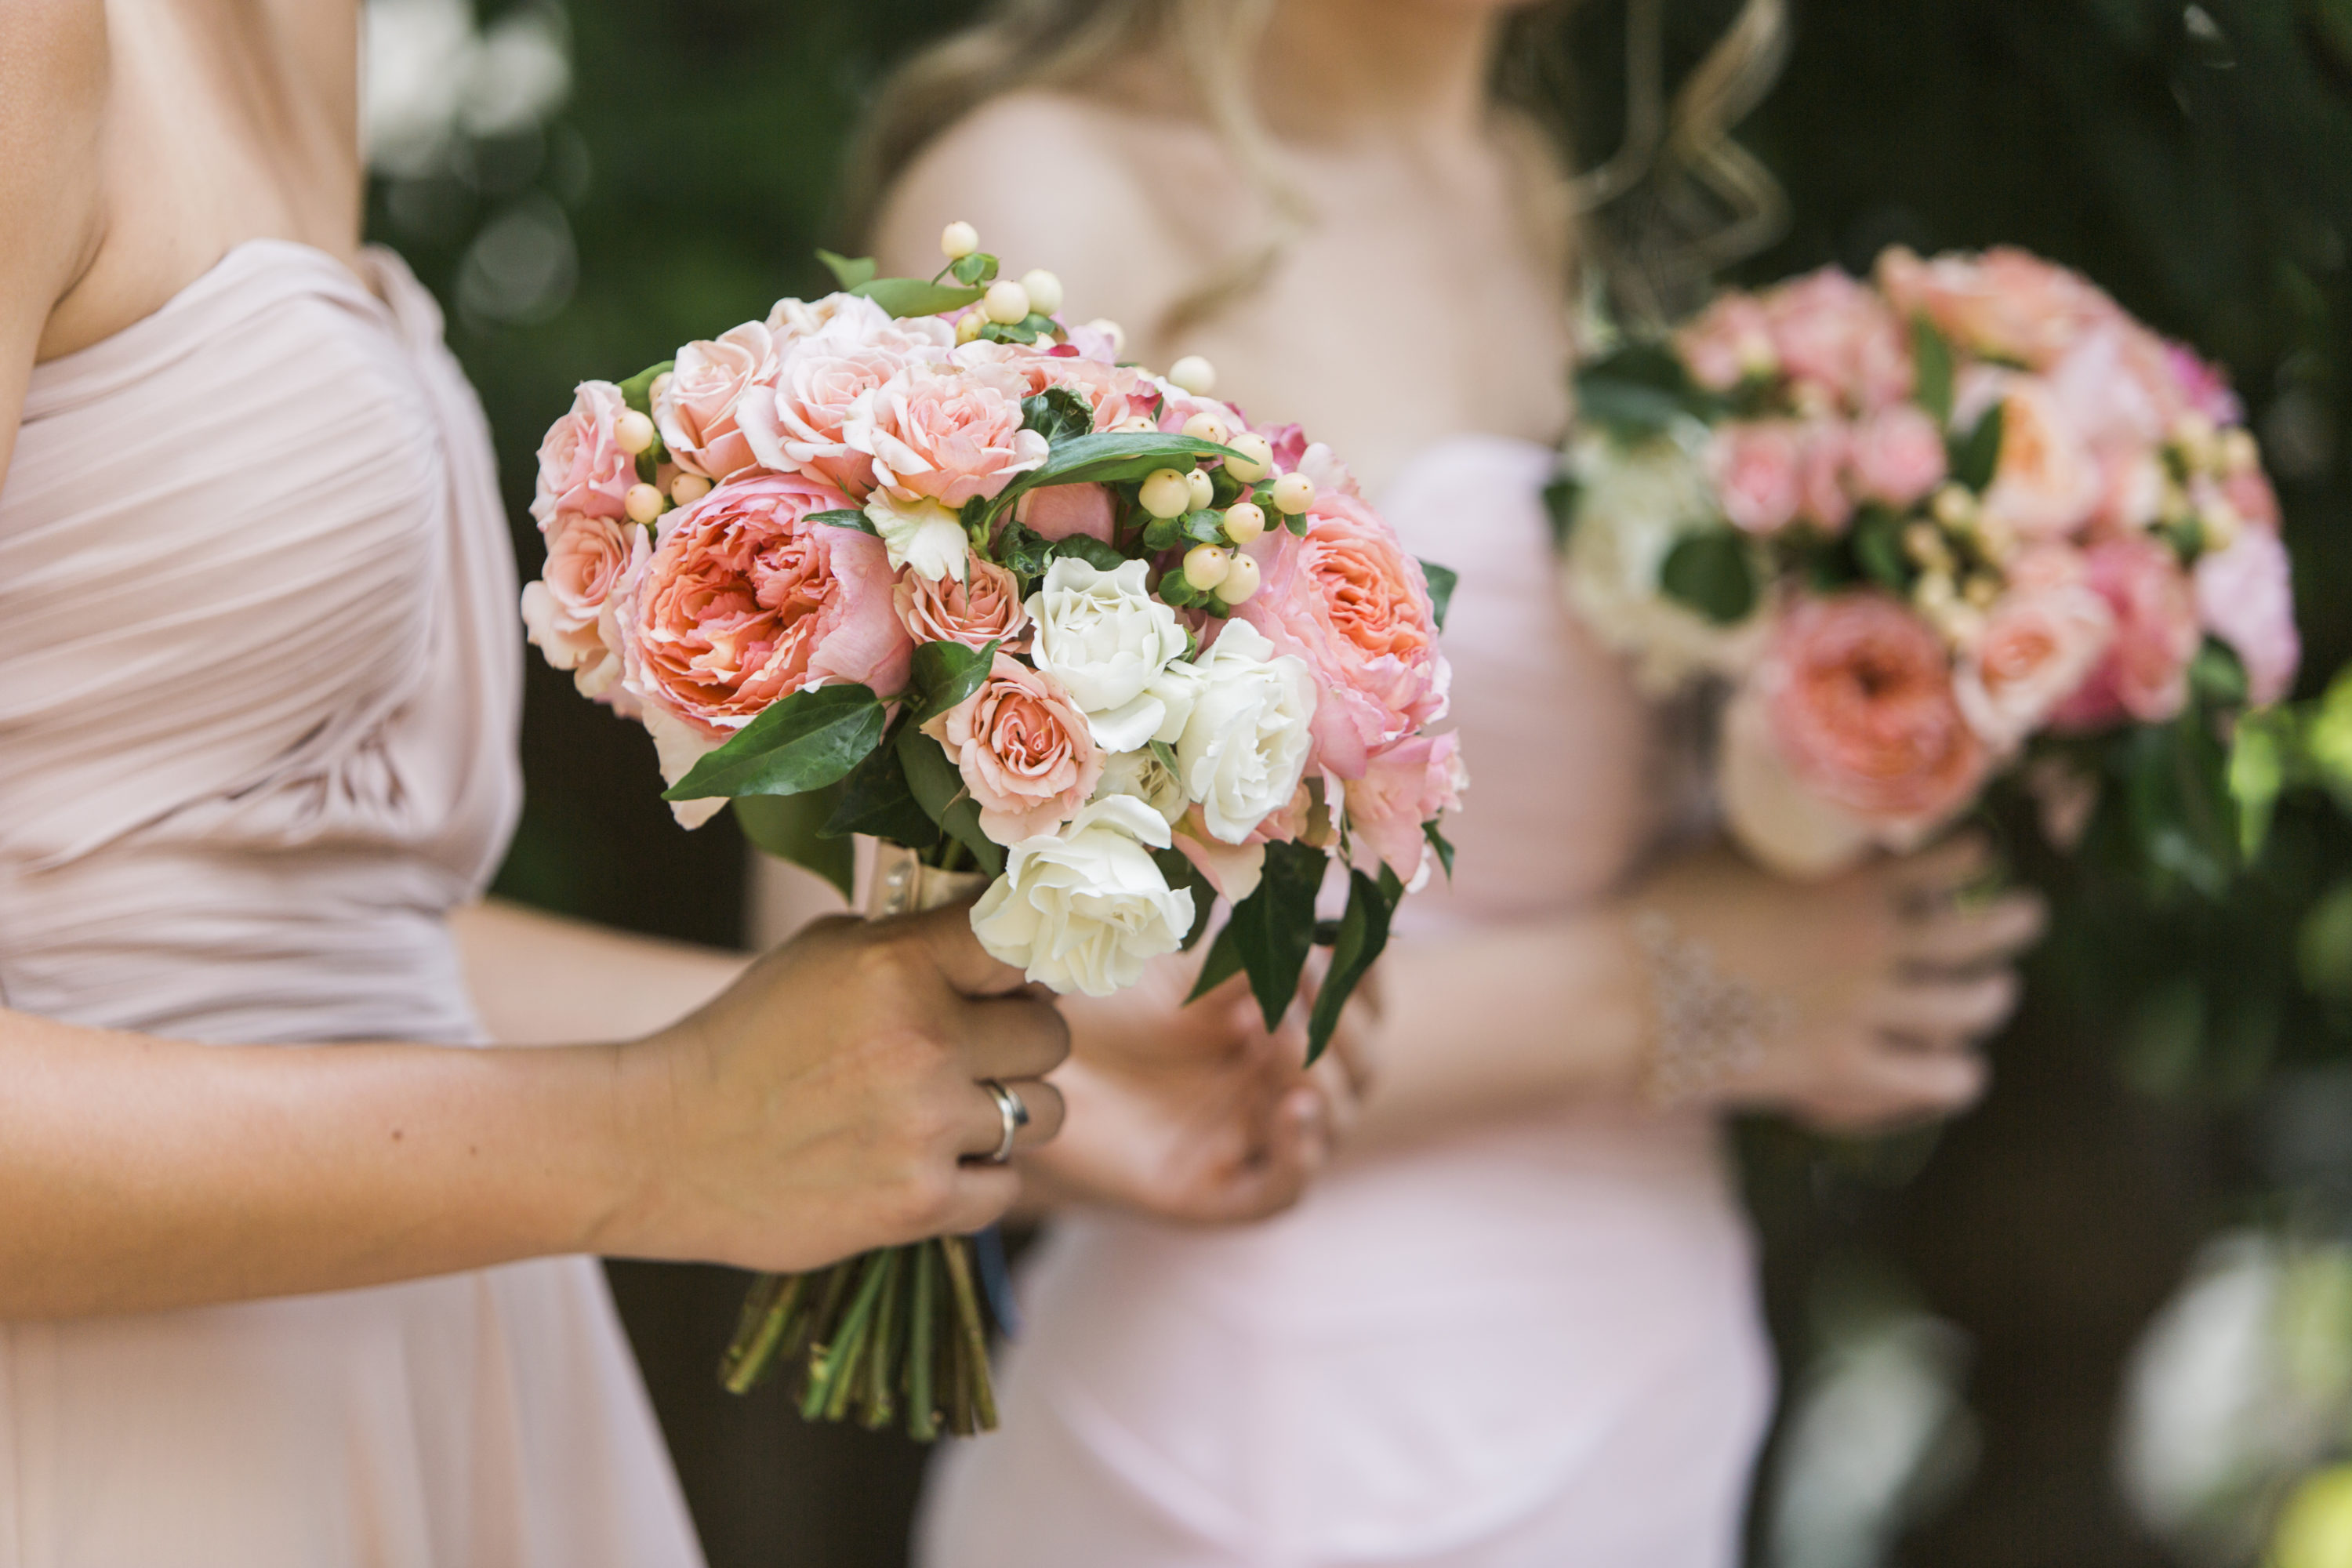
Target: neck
<point>1344,69</point>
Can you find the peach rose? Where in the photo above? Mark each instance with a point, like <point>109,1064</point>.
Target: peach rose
<point>1346,598</point>
<point>2006,303</point>
<point>582,467</point>
<point>945,435</point>
<point>2145,675</point>
<point>1858,690</point>
<point>1898,455</point>
<point>800,427</point>
<point>1757,470</point>
<point>1057,511</point>
<point>2040,642</point>
<point>1728,342</point>
<point>696,406</point>
<point>1024,749</point>
<point>2047,482</point>
<point>588,558</point>
<point>2244,597</point>
<point>744,601</point>
<point>1830,331</point>
<point>1826,448</point>
<point>1414,781</point>
<point>986,609</point>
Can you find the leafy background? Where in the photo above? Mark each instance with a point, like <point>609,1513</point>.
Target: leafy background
<point>2180,1064</point>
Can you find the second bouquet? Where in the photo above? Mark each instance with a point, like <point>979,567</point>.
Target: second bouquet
<point>920,561</point>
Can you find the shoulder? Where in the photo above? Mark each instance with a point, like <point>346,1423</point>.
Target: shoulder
<point>53,82</point>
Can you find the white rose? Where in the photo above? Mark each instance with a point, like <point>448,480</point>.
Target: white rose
<point>1106,640</point>
<point>924,534</point>
<point>1084,909</point>
<point>1787,827</point>
<point>1245,742</point>
<point>1141,774</point>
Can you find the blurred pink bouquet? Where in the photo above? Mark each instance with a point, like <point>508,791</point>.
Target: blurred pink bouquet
<point>1922,527</point>
<point>921,561</point>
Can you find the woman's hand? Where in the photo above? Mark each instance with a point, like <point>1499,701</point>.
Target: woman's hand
<point>830,1101</point>
<point>1193,1113</point>
<point>1885,979</point>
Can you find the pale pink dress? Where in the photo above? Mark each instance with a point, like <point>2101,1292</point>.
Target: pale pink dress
<point>1532,1343</point>
<point>258,691</point>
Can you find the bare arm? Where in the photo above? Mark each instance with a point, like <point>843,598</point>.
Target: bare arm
<point>538,979</point>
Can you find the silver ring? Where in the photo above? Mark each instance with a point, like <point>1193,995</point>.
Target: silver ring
<point>1015,1115</point>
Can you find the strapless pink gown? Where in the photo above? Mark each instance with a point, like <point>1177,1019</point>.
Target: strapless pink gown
<point>1531,1344</point>
<point>258,691</point>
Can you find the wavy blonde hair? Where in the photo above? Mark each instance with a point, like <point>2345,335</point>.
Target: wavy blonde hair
<point>1691,199</point>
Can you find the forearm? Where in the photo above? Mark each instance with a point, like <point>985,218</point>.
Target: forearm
<point>139,1172</point>
<point>540,979</point>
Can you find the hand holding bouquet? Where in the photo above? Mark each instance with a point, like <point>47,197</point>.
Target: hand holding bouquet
<point>920,561</point>
<point>1968,516</point>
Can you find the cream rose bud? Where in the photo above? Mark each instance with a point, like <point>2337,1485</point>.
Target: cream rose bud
<point>924,534</point>
<point>1085,909</point>
<point>1141,774</point>
<point>1245,744</point>
<point>1106,640</point>
<point>1044,290</point>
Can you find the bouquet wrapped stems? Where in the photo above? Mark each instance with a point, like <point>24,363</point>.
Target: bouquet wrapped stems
<point>901,1330</point>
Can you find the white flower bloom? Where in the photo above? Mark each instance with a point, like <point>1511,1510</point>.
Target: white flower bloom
<point>1246,741</point>
<point>923,534</point>
<point>1141,774</point>
<point>1084,909</point>
<point>1106,640</point>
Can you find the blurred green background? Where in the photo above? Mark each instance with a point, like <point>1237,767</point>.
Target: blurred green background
<point>587,186</point>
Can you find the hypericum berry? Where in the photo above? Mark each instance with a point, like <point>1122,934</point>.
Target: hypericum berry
<point>1256,459</point>
<point>633,432</point>
<point>1240,583</point>
<point>1006,303</point>
<point>1923,543</point>
<point>1953,506</point>
<point>644,503</point>
<point>1206,565</point>
<point>1244,520</point>
<point>1207,426</point>
<point>969,325</point>
<point>1194,375</point>
<point>2238,452</point>
<point>958,240</point>
<point>1111,330</point>
<point>1980,589</point>
<point>1204,489</point>
<point>1293,493</point>
<point>688,488</point>
<point>1166,493</point>
<point>2218,525</point>
<point>1136,424</point>
<point>1044,290</point>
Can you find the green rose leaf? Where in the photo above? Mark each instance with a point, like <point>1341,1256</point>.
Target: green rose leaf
<point>1640,390</point>
<point>1178,868</point>
<point>1057,414</point>
<point>849,272</point>
<point>1086,547</point>
<point>875,799</point>
<point>843,517</point>
<point>939,789</point>
<point>1363,933</point>
<point>1442,580</point>
<point>1931,357</point>
<point>1203,527</point>
<point>1877,538</point>
<point>792,827</point>
<point>1275,926</point>
<point>1224,961</point>
<point>1975,456</point>
<point>942,675</point>
<point>1022,548</point>
<point>916,296</point>
<point>1438,841</point>
<point>1712,574</point>
<point>2217,675</point>
<point>806,742</point>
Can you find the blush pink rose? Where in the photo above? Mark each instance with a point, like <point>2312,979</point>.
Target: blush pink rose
<point>2040,642</point>
<point>2048,481</point>
<point>1898,455</point>
<point>2006,303</point>
<point>945,435</point>
<point>1728,342</point>
<point>2245,597</point>
<point>2250,495</point>
<point>2145,675</point>
<point>582,467</point>
<point>799,427</point>
<point>696,404</point>
<point>588,559</point>
<point>986,609</point>
<point>1024,750</point>
<point>1858,695</point>
<point>1834,333</point>
<point>2202,387</point>
<point>1757,470</point>
<point>744,601</point>
<point>1417,780</point>
<point>1057,511</point>
<point>1346,597</point>
<point>1826,447</point>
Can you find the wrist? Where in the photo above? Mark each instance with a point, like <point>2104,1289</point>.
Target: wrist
<point>628,1117</point>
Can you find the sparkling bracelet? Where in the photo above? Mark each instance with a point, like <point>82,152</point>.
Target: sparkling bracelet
<point>1710,1025</point>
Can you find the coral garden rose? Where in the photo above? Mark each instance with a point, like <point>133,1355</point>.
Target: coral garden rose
<point>798,428</point>
<point>1085,909</point>
<point>2005,303</point>
<point>1858,693</point>
<point>1757,466</point>
<point>1897,455</point>
<point>2145,675</point>
<point>1345,598</point>
<point>987,609</point>
<point>945,436</point>
<point>2039,643</point>
<point>2047,481</point>
<point>582,467</point>
<point>2244,597</point>
<point>1415,781</point>
<point>1023,749</point>
<point>1831,332</point>
<point>697,403</point>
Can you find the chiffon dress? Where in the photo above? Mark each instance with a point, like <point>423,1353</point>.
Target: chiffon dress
<point>258,693</point>
<point>1533,1342</point>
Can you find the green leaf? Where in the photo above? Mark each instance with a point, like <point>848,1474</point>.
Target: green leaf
<point>1559,499</point>
<point>1224,961</point>
<point>803,743</point>
<point>1641,390</point>
<point>1877,539</point>
<point>637,391</point>
<point>1022,548</point>
<point>1204,527</point>
<point>2260,750</point>
<point>1057,414</point>
<point>876,800</point>
<point>1163,533</point>
<point>1363,931</point>
<point>792,827</point>
<point>939,789</point>
<point>1438,841</point>
<point>1086,547</point>
<point>975,270</point>
<point>942,675</point>
<point>1975,456</point>
<point>1931,356</point>
<point>845,517</point>
<point>848,272</point>
<point>1174,590</point>
<point>1111,457</point>
<point>1712,574</point>
<point>1442,580</point>
<point>1275,926</point>
<point>2218,676</point>
<point>915,297</point>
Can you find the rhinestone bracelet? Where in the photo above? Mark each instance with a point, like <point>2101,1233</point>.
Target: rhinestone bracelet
<point>1711,1026</point>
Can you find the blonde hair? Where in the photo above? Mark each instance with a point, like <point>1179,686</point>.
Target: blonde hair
<point>1706,201</point>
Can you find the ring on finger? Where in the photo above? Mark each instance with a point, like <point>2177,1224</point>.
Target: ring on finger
<point>1015,1115</point>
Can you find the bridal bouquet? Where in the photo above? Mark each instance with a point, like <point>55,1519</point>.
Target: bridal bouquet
<point>1967,517</point>
<point>920,561</point>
